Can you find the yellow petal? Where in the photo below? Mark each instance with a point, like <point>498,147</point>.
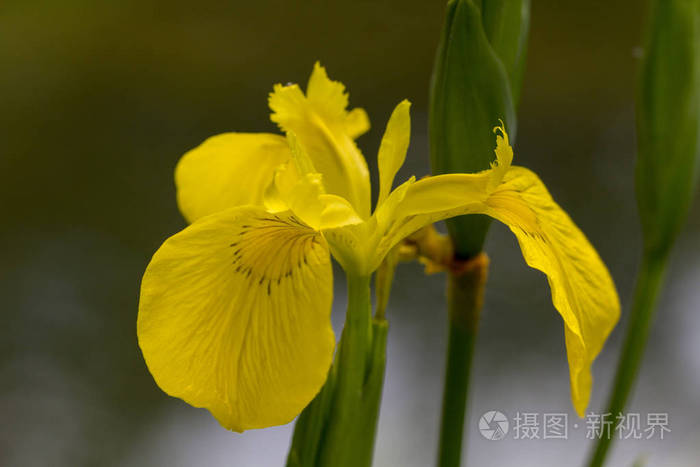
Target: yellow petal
<point>582,290</point>
<point>392,151</point>
<point>356,123</point>
<point>504,156</point>
<point>297,191</point>
<point>385,213</point>
<point>304,199</point>
<point>234,316</point>
<point>227,170</point>
<point>301,189</point>
<point>326,130</point>
<point>444,193</point>
<point>336,212</point>
<point>301,159</point>
<point>351,247</point>
<point>328,98</point>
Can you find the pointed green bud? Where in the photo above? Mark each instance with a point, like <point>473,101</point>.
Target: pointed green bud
<point>668,121</point>
<point>507,25</point>
<point>470,92</point>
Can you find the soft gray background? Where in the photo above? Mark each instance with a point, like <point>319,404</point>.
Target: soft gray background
<point>99,99</point>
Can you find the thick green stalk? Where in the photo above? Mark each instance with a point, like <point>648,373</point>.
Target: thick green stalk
<point>649,283</point>
<point>465,292</point>
<point>339,446</point>
<point>338,428</point>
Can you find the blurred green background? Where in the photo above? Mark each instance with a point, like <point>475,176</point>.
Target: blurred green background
<point>99,99</point>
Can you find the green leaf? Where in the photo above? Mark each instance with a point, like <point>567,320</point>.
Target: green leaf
<point>668,121</point>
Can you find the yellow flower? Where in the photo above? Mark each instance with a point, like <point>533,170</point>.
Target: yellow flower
<point>234,312</point>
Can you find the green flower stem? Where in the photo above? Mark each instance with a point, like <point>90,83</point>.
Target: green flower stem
<point>465,293</point>
<point>310,426</point>
<point>353,360</point>
<point>338,428</point>
<point>649,281</point>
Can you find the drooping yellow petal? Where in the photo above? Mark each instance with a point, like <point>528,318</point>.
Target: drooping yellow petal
<point>227,170</point>
<point>234,316</point>
<point>326,131</point>
<point>392,151</point>
<point>582,289</point>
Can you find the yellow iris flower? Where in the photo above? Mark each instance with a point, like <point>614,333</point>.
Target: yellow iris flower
<point>234,313</point>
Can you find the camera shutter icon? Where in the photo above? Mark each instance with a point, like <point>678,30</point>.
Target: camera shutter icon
<point>493,425</point>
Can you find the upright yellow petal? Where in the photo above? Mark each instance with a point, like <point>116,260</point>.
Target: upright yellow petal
<point>234,316</point>
<point>582,289</point>
<point>327,130</point>
<point>227,170</point>
<point>392,151</point>
<point>356,123</point>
